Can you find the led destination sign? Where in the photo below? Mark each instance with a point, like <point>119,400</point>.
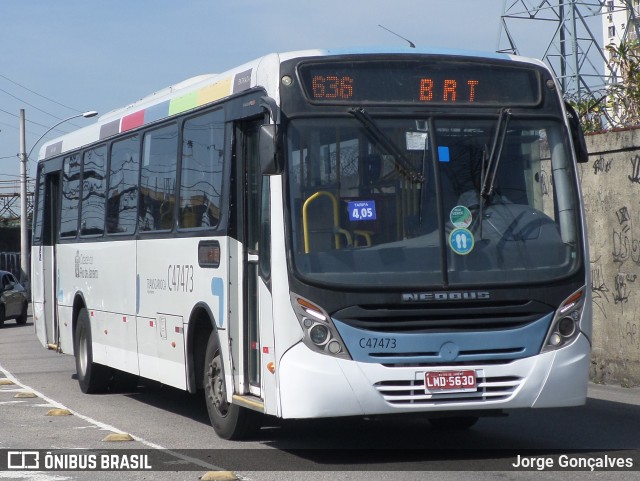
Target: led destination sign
<point>428,82</point>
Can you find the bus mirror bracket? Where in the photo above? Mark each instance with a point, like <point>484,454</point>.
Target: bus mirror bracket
<point>268,139</point>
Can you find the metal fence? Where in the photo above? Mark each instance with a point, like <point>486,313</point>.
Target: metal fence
<point>10,261</point>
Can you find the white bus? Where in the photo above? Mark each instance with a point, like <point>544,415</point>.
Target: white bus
<point>325,233</point>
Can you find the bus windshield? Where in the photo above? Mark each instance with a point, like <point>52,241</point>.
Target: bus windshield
<point>386,202</point>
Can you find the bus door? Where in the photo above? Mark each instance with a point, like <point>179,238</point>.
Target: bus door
<point>43,271</point>
<point>255,335</point>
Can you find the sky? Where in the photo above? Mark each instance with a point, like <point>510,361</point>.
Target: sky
<point>60,58</point>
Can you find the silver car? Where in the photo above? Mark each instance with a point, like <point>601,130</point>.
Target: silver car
<point>13,299</point>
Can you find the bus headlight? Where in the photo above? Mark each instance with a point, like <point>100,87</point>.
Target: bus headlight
<point>566,323</point>
<point>320,335</point>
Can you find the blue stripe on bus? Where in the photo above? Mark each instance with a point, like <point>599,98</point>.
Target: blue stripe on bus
<point>156,112</point>
<point>217,289</point>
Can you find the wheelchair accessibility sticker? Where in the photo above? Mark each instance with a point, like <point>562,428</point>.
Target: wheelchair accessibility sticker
<point>461,241</point>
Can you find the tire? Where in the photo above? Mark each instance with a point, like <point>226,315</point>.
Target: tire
<point>455,423</point>
<point>93,378</point>
<point>22,318</point>
<point>229,421</point>
<point>2,315</point>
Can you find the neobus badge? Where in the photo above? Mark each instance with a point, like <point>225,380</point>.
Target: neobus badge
<point>445,296</point>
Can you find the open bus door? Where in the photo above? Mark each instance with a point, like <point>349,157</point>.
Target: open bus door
<point>244,388</point>
<point>255,303</point>
<point>43,261</point>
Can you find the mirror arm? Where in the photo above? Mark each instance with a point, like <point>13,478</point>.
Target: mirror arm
<point>270,105</point>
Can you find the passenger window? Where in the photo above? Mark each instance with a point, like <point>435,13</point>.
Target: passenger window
<point>38,211</point>
<point>158,179</point>
<point>70,203</point>
<point>93,191</point>
<point>201,173</point>
<point>122,200</point>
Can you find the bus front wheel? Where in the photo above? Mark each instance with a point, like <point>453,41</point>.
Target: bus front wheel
<point>229,421</point>
<point>93,378</point>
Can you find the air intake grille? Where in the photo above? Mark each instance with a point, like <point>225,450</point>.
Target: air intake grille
<point>450,316</point>
<point>403,393</point>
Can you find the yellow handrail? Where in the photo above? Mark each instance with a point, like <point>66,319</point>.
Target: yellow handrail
<point>336,220</point>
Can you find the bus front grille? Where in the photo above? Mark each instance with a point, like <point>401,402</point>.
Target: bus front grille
<point>452,317</point>
<point>412,393</point>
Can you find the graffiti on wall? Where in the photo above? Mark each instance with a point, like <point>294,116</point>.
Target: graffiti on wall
<point>634,177</point>
<point>612,204</point>
<point>602,165</point>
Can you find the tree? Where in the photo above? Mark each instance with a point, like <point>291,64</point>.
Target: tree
<point>590,113</point>
<point>623,104</point>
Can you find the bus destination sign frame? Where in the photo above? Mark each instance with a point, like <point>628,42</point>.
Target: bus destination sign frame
<point>420,82</point>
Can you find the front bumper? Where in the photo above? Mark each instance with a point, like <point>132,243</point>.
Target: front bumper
<point>314,385</point>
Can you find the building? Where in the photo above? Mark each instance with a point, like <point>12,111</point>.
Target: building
<point>620,25</point>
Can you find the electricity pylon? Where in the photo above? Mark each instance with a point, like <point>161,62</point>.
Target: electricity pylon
<point>571,49</point>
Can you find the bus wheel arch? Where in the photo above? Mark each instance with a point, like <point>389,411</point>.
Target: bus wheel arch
<point>201,325</point>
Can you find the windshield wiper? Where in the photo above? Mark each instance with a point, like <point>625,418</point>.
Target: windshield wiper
<point>489,171</point>
<point>490,164</point>
<point>380,138</point>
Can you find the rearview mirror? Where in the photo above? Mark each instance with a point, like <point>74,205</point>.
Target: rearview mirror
<point>577,135</point>
<point>267,144</point>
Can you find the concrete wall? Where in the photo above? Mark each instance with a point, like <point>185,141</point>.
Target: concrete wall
<point>611,188</point>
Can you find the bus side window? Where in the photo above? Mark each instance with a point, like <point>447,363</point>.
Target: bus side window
<point>201,171</point>
<point>158,179</point>
<point>122,198</point>
<point>70,204</point>
<point>92,211</point>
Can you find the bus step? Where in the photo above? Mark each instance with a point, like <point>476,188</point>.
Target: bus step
<point>249,402</point>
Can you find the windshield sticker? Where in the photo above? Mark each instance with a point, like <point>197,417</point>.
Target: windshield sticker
<point>443,154</point>
<point>461,241</point>
<point>362,210</point>
<point>417,141</point>
<point>460,216</point>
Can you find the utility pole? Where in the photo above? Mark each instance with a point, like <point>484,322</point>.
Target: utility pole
<point>24,240</point>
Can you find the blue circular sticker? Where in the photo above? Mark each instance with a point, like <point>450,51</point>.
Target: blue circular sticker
<point>461,241</point>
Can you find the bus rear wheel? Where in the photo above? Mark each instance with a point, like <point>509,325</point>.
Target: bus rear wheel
<point>93,378</point>
<point>229,421</point>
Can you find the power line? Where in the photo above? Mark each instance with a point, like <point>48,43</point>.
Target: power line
<point>31,105</point>
<point>31,121</point>
<point>40,95</point>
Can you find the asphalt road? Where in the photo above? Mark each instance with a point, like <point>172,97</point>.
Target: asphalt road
<point>171,428</point>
